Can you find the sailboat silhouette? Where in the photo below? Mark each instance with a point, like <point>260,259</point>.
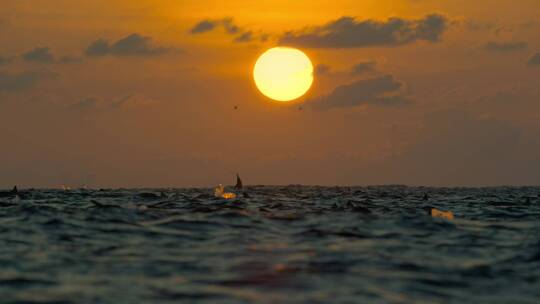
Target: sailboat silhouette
<point>11,193</point>
<point>239,184</point>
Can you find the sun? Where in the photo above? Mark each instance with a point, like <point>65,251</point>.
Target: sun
<point>283,73</point>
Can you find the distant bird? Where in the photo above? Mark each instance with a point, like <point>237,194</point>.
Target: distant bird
<point>300,108</point>
<point>236,107</point>
<point>239,185</point>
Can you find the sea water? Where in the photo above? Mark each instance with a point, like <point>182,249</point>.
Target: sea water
<point>291,244</point>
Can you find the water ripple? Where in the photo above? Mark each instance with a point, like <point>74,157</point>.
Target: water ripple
<point>290,244</point>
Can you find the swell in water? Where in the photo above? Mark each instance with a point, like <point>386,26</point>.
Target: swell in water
<point>292,244</point>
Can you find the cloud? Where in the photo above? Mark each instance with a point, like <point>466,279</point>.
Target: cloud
<point>505,47</point>
<point>347,32</point>
<point>132,45</point>
<point>535,60</point>
<point>39,55</point>
<point>44,55</point>
<point>322,69</point>
<point>244,37</point>
<point>363,67</point>
<point>356,70</point>
<point>23,81</point>
<point>203,27</point>
<point>264,37</point>
<point>210,25</point>
<point>384,91</point>
<point>230,28</point>
<point>495,27</point>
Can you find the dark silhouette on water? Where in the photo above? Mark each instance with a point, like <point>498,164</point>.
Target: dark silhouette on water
<point>11,193</point>
<point>239,185</point>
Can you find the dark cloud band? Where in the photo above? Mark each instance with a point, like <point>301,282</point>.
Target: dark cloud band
<point>363,67</point>
<point>43,55</point>
<point>347,32</point>
<point>241,35</point>
<point>384,91</point>
<point>40,55</point>
<point>23,81</point>
<point>203,27</point>
<point>132,45</point>
<point>322,69</point>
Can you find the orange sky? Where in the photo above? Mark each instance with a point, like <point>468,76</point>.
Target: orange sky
<point>158,110</point>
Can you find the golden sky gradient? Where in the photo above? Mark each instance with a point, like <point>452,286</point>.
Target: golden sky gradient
<point>436,104</point>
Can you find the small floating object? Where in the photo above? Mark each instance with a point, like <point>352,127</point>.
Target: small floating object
<point>434,212</point>
<point>219,191</point>
<point>228,195</point>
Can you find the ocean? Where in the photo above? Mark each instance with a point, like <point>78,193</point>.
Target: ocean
<point>272,244</point>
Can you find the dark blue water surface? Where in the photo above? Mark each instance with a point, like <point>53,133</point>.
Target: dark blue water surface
<point>289,244</point>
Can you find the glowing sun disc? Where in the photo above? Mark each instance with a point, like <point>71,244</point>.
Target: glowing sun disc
<point>283,73</point>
